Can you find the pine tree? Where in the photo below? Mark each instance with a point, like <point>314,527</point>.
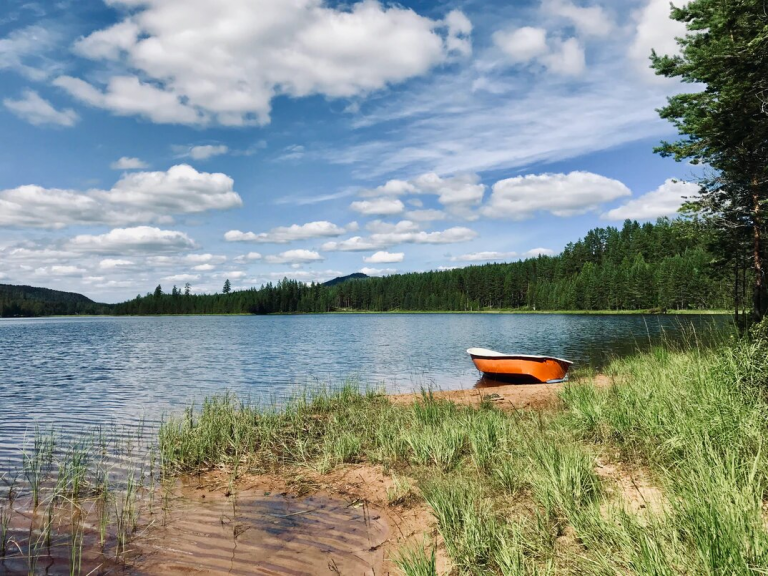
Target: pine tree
<point>725,125</point>
<point>227,287</point>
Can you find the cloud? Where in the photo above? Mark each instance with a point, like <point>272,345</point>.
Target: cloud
<point>527,45</point>
<point>378,207</point>
<point>664,201</point>
<point>251,256</point>
<point>378,271</point>
<point>523,197</point>
<point>141,239</point>
<point>522,45</point>
<point>60,271</point>
<point>655,30</point>
<point>263,49</point>
<point>112,263</point>
<point>232,275</point>
<point>384,258</point>
<point>588,20</point>
<point>286,234</point>
<point>457,193</point>
<point>425,215</point>
<point>385,240</point>
<point>25,51</point>
<point>126,163</point>
<point>136,198</point>
<point>567,58</point>
<point>207,151</point>
<point>485,257</point>
<point>459,30</point>
<point>182,277</point>
<point>401,227</point>
<point>38,111</point>
<point>292,152</point>
<point>204,267</point>
<point>294,257</point>
<point>207,258</point>
<point>535,252</point>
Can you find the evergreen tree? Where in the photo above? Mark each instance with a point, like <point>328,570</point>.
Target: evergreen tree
<point>725,125</point>
<point>158,291</point>
<point>227,287</point>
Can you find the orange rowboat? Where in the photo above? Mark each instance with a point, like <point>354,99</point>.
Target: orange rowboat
<point>520,367</point>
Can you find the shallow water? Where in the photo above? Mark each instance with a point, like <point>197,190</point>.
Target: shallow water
<point>123,373</point>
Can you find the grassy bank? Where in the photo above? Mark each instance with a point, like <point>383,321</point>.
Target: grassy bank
<point>663,473</point>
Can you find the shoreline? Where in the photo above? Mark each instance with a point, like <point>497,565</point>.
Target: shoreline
<point>512,312</point>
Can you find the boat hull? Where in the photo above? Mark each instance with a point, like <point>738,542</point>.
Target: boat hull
<point>523,369</point>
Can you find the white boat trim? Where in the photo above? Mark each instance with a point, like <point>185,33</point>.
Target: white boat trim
<point>485,353</point>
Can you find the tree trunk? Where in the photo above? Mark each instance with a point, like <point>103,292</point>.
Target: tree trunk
<point>736,285</point>
<point>758,288</point>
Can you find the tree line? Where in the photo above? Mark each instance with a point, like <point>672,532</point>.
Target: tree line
<point>29,301</point>
<point>665,265</point>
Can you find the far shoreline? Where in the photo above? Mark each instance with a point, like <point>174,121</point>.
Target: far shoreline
<point>513,312</point>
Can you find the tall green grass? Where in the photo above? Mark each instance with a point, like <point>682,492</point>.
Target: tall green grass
<point>518,492</point>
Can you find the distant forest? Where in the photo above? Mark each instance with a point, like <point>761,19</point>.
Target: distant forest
<point>31,301</point>
<point>664,266</point>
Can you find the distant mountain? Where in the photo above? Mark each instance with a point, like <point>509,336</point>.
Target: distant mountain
<point>341,279</point>
<point>42,294</point>
<point>34,301</point>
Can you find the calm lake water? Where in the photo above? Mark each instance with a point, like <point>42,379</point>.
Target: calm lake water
<point>79,373</point>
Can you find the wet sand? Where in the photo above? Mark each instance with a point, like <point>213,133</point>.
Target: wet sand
<point>506,396</point>
<point>340,523</point>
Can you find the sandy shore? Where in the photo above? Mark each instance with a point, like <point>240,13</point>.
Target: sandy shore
<point>507,396</point>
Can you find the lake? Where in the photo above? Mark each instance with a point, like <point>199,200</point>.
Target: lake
<point>78,373</point>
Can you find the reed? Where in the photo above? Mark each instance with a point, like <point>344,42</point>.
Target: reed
<point>415,561</point>
<point>519,493</point>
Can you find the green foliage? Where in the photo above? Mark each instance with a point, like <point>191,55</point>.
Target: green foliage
<point>31,301</point>
<point>651,266</point>
<point>725,123</point>
<point>416,562</point>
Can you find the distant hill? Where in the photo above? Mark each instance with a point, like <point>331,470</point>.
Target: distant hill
<point>33,301</point>
<point>341,279</point>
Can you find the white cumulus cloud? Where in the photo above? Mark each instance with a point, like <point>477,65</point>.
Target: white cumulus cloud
<point>383,240</point>
<point>225,62</point>
<point>655,30</point>
<point>136,198</point>
<point>523,197</point>
<point>294,257</point>
<point>383,257</point>
<point>286,234</point>
<point>378,207</point>
<point>140,239</point>
<point>664,201</point>
<point>522,45</point>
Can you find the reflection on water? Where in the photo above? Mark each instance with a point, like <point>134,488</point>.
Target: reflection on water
<point>78,373</point>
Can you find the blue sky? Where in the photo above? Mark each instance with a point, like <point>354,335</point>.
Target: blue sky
<point>174,141</point>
